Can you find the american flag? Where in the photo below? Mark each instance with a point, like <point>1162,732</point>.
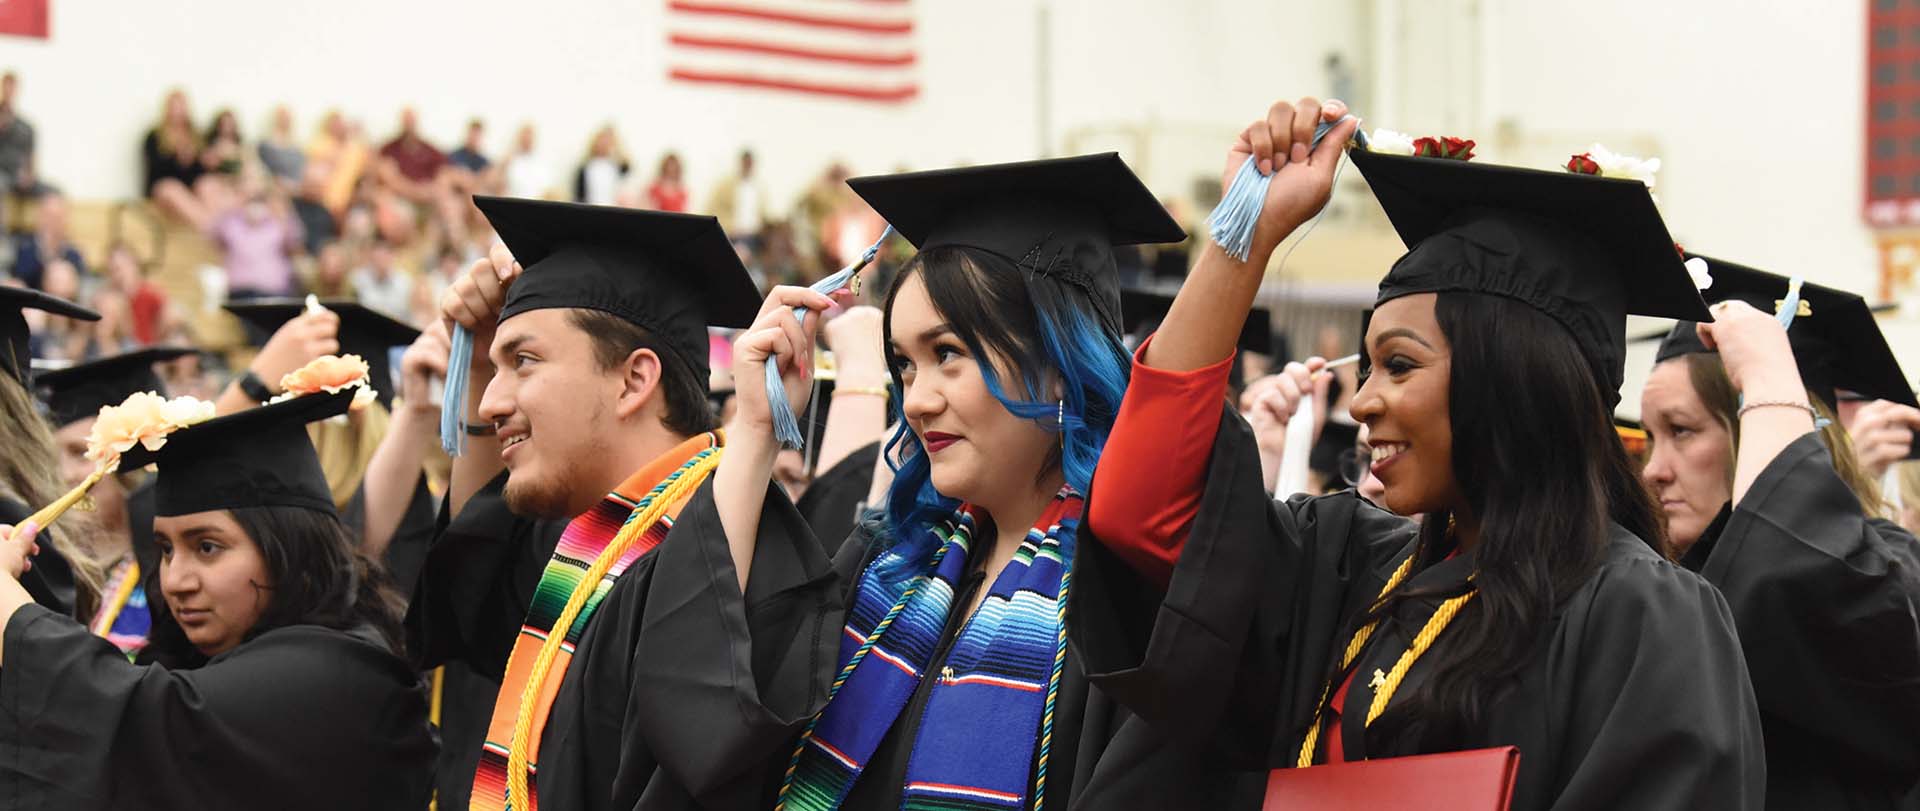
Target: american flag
<point>849,49</point>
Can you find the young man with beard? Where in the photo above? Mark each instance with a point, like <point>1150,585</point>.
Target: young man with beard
<point>588,386</point>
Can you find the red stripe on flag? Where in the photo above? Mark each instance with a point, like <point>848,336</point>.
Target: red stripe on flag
<point>813,20</point>
<point>857,92</point>
<point>794,51</point>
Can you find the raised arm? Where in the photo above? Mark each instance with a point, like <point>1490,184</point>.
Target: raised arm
<point>1753,346</point>
<point>740,483</point>
<point>474,301</point>
<point>395,469</point>
<point>303,338</point>
<point>1147,486</point>
<point>1205,320</point>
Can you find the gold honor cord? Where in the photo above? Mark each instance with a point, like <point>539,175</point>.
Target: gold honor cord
<point>117,602</point>
<point>1385,684</point>
<point>685,483</point>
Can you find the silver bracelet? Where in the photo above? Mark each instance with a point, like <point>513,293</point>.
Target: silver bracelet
<point>1811,414</point>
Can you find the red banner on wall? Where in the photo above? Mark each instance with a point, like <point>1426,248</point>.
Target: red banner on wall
<point>24,18</point>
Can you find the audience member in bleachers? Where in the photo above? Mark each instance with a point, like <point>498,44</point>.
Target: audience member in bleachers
<point>740,204</point>
<point>382,284</point>
<point>113,333</point>
<point>48,241</point>
<point>336,157</point>
<point>409,165</point>
<point>330,269</point>
<point>470,157</point>
<point>667,192</point>
<point>224,154</point>
<point>258,241</point>
<point>522,171</point>
<point>18,181</point>
<point>58,337</point>
<point>603,171</point>
<point>280,152</point>
<point>176,167</point>
<point>149,312</point>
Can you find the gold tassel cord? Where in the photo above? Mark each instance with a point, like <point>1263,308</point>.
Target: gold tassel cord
<point>517,761</point>
<point>1387,683</point>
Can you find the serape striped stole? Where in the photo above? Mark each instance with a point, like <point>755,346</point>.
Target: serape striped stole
<point>983,739</point>
<point>583,540</point>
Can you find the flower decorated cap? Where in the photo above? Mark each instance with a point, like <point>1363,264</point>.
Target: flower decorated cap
<point>254,458</point>
<point>1145,309</point>
<point>1586,250</point>
<point>78,392</point>
<point>1059,218</point>
<point>669,274</point>
<point>1836,342</point>
<point>16,351</point>
<point>366,332</point>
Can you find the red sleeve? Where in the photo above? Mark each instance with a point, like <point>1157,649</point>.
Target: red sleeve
<point>1150,474</point>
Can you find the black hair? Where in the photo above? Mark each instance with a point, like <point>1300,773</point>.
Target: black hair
<point>1544,475</point>
<point>319,578</point>
<point>615,339</point>
<point>1045,331</point>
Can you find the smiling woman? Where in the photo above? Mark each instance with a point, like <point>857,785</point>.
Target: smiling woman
<point>278,648</point>
<point>1534,607</point>
<point>954,686</point>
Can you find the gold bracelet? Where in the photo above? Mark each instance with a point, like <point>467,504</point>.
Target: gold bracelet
<point>881,392</point>
<point>1742,413</point>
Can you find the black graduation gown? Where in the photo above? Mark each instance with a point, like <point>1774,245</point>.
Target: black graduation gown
<point>1637,699</point>
<point>301,717</point>
<point>1102,756</point>
<point>832,502</point>
<point>1825,600</point>
<point>51,581</point>
<point>603,746</point>
<point>407,549</point>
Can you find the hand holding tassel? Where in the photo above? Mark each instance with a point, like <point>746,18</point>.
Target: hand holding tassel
<point>1279,174</point>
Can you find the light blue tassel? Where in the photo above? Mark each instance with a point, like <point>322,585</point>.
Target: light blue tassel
<point>786,427</point>
<point>1232,221</point>
<point>453,402</point>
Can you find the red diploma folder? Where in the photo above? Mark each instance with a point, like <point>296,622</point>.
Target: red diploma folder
<point>1474,780</point>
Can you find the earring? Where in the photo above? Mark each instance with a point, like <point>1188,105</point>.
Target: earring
<point>1061,417</point>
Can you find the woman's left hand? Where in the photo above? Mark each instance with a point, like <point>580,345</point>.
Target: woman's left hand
<point>17,551</point>
<point>1754,348</point>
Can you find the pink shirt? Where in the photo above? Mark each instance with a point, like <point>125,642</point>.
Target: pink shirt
<point>258,253</point>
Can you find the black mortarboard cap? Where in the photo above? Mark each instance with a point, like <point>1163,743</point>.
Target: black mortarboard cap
<point>364,331</point>
<point>670,274</point>
<point>260,457</point>
<point>1059,218</point>
<point>1836,342</point>
<point>1586,250</point>
<point>16,350</point>
<point>78,392</point>
<point>1145,309</point>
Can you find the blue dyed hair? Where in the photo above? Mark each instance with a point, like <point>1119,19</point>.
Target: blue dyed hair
<point>1042,331</point>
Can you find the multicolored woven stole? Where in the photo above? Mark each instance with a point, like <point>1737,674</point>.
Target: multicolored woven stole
<point>988,723</point>
<point>584,540</point>
<point>123,618</point>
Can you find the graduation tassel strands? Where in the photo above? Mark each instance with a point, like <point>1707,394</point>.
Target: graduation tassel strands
<point>786,427</point>
<point>1232,221</point>
<point>453,404</point>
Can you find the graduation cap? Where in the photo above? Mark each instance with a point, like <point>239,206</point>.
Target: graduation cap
<point>1060,218</point>
<point>670,274</point>
<point>259,457</point>
<point>78,392</point>
<point>1584,249</point>
<point>1836,342</point>
<point>1145,309</point>
<point>17,352</point>
<point>364,331</point>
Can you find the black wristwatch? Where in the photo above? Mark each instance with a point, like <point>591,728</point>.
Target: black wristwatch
<point>255,388</point>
